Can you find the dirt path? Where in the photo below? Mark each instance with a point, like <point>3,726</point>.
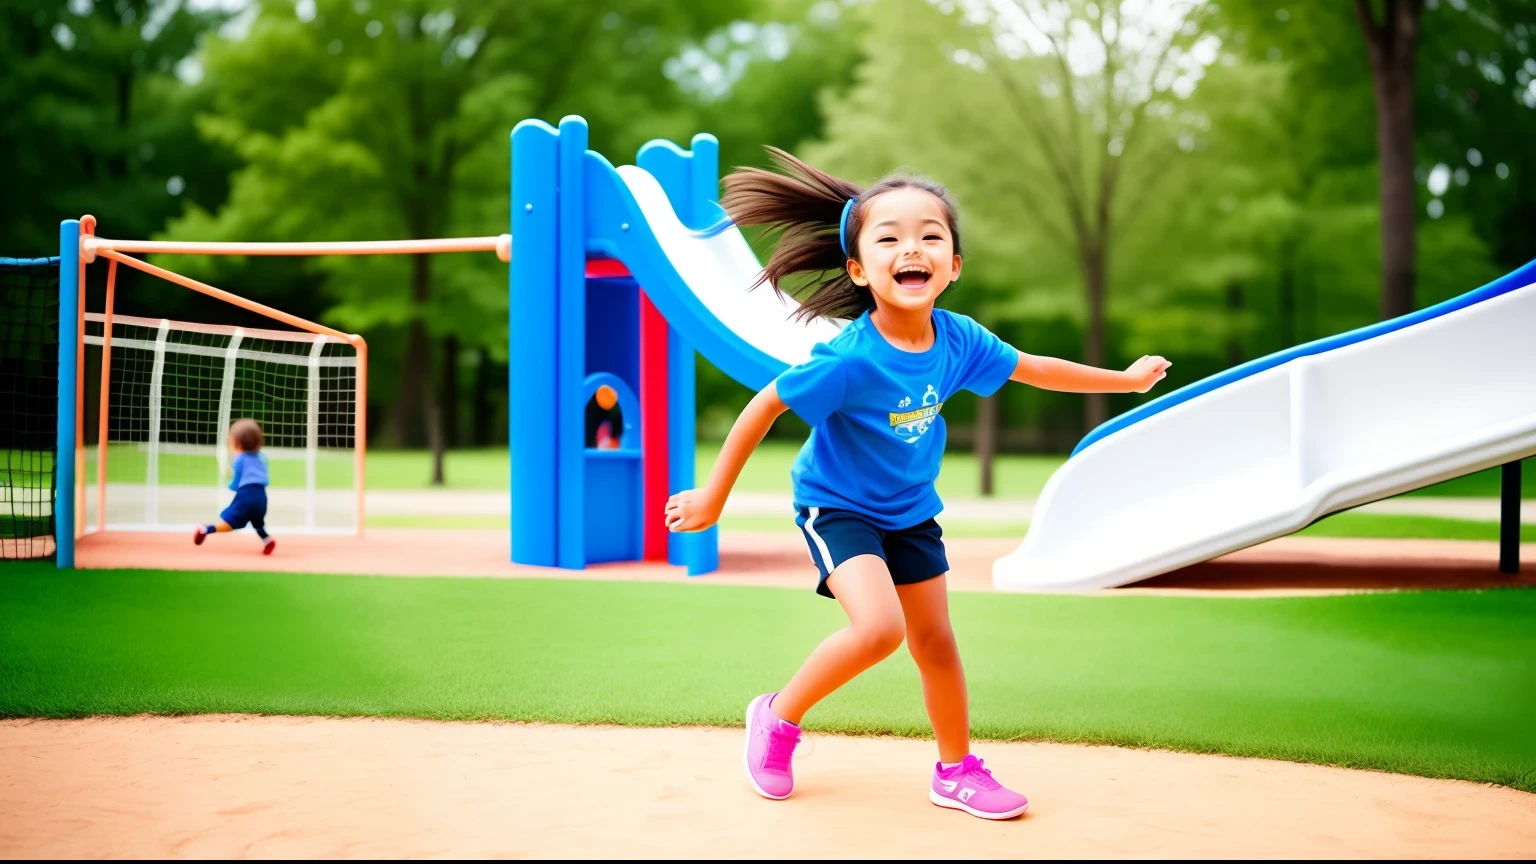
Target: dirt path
<point>220,787</point>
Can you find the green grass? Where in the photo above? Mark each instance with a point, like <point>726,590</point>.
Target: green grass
<point>1439,684</point>
<point>1014,476</point>
<point>487,468</point>
<point>766,471</point>
<point>1409,527</point>
<point>1389,527</point>
<point>128,463</point>
<point>1341,525</point>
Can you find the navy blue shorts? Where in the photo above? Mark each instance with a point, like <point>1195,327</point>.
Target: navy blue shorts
<point>248,508</point>
<point>912,555</point>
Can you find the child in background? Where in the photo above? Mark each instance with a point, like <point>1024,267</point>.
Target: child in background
<point>250,485</point>
<point>864,481</point>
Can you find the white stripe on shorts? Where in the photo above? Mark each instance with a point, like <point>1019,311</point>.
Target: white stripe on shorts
<point>821,545</point>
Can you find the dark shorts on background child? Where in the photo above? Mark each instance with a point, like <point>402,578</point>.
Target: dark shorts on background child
<point>912,555</point>
<point>248,508</point>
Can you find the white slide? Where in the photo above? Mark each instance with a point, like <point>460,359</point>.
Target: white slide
<point>1281,442</point>
<point>749,334</point>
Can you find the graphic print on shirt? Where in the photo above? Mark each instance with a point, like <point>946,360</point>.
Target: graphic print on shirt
<point>910,426</point>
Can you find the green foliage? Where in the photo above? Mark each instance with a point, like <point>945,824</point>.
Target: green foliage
<point>1243,217</point>
<point>93,118</point>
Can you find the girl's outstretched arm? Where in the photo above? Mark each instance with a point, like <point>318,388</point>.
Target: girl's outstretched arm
<point>1050,373</point>
<point>697,509</point>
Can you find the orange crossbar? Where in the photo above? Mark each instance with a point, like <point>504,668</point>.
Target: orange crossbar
<point>501,245</point>
<point>243,303</point>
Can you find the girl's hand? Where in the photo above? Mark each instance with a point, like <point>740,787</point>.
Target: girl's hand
<point>692,510</point>
<point>1146,372</point>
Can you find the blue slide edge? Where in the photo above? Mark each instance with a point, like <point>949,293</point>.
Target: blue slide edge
<point>1512,281</point>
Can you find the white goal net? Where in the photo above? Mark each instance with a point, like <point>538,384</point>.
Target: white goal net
<point>175,387</point>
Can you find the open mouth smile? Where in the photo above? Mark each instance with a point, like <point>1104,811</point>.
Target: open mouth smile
<point>913,276</point>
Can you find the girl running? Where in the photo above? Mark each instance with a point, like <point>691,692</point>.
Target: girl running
<point>864,481</point>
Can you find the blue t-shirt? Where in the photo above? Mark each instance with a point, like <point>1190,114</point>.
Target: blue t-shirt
<point>250,470</point>
<point>876,433</point>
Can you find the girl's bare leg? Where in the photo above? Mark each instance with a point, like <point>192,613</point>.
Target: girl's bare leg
<point>862,584</point>
<point>931,640</point>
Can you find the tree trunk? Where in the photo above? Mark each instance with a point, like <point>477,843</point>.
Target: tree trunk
<point>450,392</point>
<point>480,403</point>
<point>1391,45</point>
<point>1287,292</point>
<point>417,359</point>
<point>1097,404</point>
<point>986,439</point>
<point>1394,137</point>
<point>1234,317</point>
<point>434,413</point>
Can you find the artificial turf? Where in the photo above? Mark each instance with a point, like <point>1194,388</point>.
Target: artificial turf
<point>1440,684</point>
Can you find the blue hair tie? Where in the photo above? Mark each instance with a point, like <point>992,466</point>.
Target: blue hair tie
<point>842,225</point>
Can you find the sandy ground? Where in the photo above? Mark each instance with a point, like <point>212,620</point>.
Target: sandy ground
<point>244,787</point>
<point>1290,565</point>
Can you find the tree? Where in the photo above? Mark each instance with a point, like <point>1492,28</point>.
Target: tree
<point>1476,118</point>
<point>1058,118</point>
<point>94,119</point>
<point>359,119</point>
<point>1391,42</point>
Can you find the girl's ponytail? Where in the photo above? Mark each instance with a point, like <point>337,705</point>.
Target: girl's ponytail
<point>806,205</point>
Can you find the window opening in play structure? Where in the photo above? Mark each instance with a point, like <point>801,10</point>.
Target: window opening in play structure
<point>605,421</point>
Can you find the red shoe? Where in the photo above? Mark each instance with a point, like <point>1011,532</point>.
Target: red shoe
<point>271,544</point>
<point>198,535</point>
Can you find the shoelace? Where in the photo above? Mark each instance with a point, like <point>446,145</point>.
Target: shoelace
<point>781,748</point>
<point>981,776</point>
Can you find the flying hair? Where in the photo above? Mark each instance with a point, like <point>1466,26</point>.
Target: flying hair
<point>806,205</point>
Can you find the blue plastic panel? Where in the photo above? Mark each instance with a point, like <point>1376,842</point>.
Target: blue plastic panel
<point>69,338</point>
<point>531,348</point>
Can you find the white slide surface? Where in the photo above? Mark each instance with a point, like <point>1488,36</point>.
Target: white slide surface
<point>1270,453</point>
<point>718,269</point>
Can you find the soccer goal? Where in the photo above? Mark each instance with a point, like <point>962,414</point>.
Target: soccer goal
<point>165,393</point>
<point>168,391</point>
<point>145,404</point>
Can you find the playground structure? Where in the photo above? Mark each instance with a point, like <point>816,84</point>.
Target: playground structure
<point>621,274</point>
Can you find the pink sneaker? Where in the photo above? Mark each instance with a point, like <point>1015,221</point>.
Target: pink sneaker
<point>970,787</point>
<point>770,746</point>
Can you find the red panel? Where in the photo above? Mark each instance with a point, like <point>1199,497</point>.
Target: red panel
<point>605,268</point>
<point>653,428</point>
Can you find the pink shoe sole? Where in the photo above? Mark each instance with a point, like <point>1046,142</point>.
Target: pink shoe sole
<point>952,804</point>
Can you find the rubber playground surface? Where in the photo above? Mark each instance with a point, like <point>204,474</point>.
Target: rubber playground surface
<point>220,785</point>
<point>1288,566</point>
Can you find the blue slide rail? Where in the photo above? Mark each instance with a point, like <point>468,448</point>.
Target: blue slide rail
<point>1510,282</point>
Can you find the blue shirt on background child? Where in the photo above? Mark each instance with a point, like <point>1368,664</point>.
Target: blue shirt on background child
<point>250,469</point>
